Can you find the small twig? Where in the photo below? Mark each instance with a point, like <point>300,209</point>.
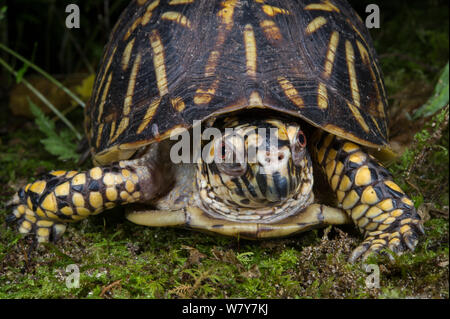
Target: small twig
<point>109,287</point>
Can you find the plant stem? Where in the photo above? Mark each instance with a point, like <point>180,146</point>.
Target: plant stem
<point>42,98</point>
<point>45,74</point>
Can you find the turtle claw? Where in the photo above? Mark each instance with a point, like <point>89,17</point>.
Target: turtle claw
<point>399,239</point>
<point>358,252</point>
<point>31,224</point>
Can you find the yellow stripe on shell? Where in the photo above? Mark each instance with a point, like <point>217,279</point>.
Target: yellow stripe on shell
<point>315,25</point>
<point>178,104</point>
<point>359,118</point>
<point>350,57</point>
<point>203,96</point>
<point>99,134</point>
<point>326,5</point>
<point>331,54</point>
<point>103,100</point>
<point>250,50</point>
<point>148,13</point>
<point>158,62</point>
<point>131,85</point>
<point>122,126</point>
<point>133,27</point>
<point>272,11</point>
<point>177,17</point>
<point>225,15</point>
<point>127,54</point>
<point>322,96</point>
<point>176,2</point>
<point>255,100</point>
<point>149,114</point>
<point>375,65</point>
<point>290,91</point>
<point>271,30</point>
<point>105,72</point>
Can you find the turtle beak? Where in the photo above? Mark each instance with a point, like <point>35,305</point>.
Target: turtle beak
<point>272,174</point>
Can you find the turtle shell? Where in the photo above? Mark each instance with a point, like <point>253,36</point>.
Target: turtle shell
<point>171,62</point>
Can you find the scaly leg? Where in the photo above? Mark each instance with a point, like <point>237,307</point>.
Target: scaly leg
<point>45,206</point>
<point>366,191</point>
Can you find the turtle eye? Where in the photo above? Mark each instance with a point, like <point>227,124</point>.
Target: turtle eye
<point>298,148</point>
<point>301,139</point>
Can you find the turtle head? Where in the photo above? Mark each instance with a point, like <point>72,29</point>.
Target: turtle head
<point>257,166</point>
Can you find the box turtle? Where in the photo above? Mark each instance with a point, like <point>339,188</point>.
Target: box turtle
<point>235,70</point>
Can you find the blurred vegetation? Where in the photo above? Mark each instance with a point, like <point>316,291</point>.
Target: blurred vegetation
<point>122,260</point>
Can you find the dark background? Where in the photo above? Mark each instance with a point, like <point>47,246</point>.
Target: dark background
<point>36,28</point>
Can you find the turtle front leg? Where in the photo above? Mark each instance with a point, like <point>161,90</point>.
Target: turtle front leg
<point>45,206</point>
<point>366,191</point>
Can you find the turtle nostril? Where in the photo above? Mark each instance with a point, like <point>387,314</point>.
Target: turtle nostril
<point>280,156</point>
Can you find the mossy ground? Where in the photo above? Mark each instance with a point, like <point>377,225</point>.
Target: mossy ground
<point>118,259</point>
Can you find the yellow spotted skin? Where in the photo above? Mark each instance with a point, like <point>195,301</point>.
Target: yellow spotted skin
<point>366,191</point>
<point>44,206</point>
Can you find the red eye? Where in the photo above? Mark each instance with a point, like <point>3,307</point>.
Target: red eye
<point>301,139</point>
